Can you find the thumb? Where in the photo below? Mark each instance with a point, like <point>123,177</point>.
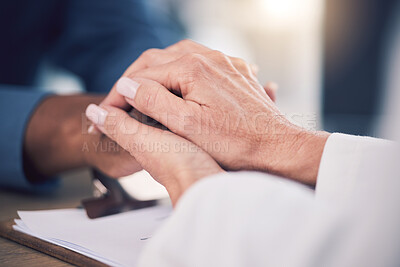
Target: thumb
<point>157,151</point>
<point>154,100</point>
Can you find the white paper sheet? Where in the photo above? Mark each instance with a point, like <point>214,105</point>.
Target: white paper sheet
<point>114,240</point>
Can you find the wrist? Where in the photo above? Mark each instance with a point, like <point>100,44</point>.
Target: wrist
<point>184,178</point>
<point>54,137</point>
<point>296,154</point>
<point>74,132</point>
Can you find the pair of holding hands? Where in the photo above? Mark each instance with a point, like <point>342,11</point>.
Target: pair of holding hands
<point>216,117</point>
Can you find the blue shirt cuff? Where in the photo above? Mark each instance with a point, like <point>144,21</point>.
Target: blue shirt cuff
<point>16,107</point>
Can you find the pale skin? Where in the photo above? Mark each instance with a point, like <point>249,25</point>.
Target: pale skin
<point>205,98</point>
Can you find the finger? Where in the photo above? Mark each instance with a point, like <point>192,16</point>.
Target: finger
<point>154,100</point>
<point>120,127</point>
<point>170,75</point>
<point>145,143</point>
<point>157,151</point>
<point>179,75</point>
<point>271,88</point>
<point>152,57</point>
<point>148,58</point>
<point>116,100</point>
<point>189,46</point>
<point>247,70</point>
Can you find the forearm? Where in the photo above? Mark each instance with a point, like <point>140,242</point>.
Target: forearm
<point>55,136</point>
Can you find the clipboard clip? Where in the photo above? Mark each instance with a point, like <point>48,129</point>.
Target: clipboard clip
<point>111,199</point>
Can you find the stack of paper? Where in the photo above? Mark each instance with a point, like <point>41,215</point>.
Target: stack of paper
<point>115,240</point>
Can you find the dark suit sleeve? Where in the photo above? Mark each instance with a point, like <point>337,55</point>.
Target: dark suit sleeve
<point>95,39</point>
<point>101,38</point>
<point>16,106</point>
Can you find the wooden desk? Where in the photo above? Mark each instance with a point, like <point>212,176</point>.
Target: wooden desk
<point>75,186</point>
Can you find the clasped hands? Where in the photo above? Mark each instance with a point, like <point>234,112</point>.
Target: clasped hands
<point>215,116</point>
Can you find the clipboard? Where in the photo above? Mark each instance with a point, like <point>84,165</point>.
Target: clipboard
<point>69,256</point>
<point>112,200</point>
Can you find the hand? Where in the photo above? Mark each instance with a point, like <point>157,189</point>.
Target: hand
<point>56,140</point>
<point>173,161</point>
<point>105,155</point>
<point>154,57</point>
<point>226,112</point>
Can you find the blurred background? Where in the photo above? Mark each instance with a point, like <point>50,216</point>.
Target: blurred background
<point>326,55</point>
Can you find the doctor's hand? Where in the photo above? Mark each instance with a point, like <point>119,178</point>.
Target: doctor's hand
<point>173,161</point>
<point>155,57</point>
<point>207,99</point>
<point>105,155</point>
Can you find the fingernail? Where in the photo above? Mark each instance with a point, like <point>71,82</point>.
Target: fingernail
<point>96,114</point>
<point>127,87</point>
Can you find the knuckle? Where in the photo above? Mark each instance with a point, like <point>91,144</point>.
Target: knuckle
<point>185,42</point>
<point>223,61</point>
<point>195,63</point>
<point>239,62</point>
<point>219,56</point>
<point>151,99</point>
<point>150,53</point>
<point>243,67</point>
<point>194,58</point>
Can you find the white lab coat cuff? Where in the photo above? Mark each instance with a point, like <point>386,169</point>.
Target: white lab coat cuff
<point>342,162</point>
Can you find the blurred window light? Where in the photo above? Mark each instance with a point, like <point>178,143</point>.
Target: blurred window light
<point>280,9</point>
<point>289,12</point>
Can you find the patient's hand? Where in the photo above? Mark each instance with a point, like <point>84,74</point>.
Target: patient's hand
<point>56,141</point>
<point>173,161</point>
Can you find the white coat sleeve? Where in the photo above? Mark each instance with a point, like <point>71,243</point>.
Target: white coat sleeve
<point>350,163</point>
<point>231,220</point>
<point>255,219</point>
